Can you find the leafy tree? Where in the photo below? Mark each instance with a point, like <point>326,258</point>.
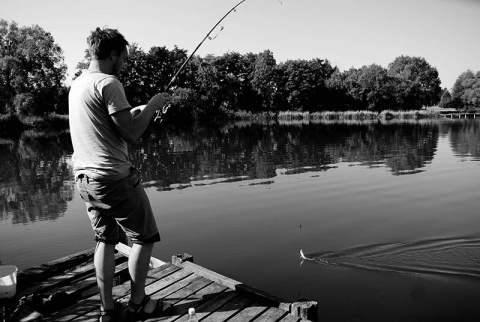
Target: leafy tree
<point>345,86</point>
<point>466,90</point>
<point>376,88</point>
<point>263,79</point>
<point>445,99</point>
<point>231,70</point>
<point>32,70</point>
<point>147,74</point>
<point>418,83</point>
<point>302,84</point>
<point>135,77</point>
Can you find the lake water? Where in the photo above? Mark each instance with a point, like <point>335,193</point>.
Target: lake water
<point>386,213</point>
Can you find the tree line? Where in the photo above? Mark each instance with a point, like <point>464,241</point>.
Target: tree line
<point>32,75</point>
<point>465,93</point>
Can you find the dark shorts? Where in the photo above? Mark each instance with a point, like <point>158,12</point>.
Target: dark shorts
<point>118,209</point>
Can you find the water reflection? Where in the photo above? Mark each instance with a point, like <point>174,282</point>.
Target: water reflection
<point>253,151</point>
<point>36,176</point>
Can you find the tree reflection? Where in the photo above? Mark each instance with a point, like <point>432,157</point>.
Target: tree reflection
<point>256,151</point>
<point>464,138</point>
<point>36,177</point>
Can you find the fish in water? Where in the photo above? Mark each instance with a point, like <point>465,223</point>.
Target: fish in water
<point>454,256</point>
<point>318,260</point>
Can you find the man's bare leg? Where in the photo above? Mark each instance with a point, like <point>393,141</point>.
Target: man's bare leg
<point>138,266</point>
<point>104,261</point>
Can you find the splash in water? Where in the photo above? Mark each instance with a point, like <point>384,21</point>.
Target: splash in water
<point>455,256</point>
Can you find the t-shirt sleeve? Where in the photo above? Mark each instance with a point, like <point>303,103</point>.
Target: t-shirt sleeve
<point>114,96</point>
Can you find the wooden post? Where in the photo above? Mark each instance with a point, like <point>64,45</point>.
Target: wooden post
<point>305,310</point>
<point>178,259</point>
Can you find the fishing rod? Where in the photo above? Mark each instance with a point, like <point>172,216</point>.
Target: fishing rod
<point>165,108</point>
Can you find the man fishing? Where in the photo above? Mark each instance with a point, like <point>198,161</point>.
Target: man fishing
<point>102,123</point>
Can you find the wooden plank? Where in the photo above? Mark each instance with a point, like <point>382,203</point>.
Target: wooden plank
<point>83,287</point>
<point>209,274</point>
<point>228,310</point>
<point>40,277</point>
<point>44,271</point>
<point>211,305</point>
<point>249,313</point>
<point>167,281</point>
<point>272,314</point>
<point>264,296</point>
<point>180,284</point>
<point>193,285</point>
<point>85,306</point>
<point>290,318</point>
<point>71,275</point>
<point>180,308</point>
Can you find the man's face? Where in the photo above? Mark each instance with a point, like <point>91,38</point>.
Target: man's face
<point>120,61</point>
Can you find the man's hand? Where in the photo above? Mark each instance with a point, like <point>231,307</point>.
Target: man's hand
<point>163,100</point>
<point>159,101</point>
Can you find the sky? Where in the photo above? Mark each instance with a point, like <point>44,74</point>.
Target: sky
<point>347,33</point>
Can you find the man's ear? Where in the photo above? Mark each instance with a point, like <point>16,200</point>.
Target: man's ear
<point>114,54</point>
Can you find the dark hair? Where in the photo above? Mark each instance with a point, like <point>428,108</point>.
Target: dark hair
<point>101,42</point>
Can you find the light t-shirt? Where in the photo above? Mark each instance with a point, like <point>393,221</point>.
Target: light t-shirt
<point>99,150</point>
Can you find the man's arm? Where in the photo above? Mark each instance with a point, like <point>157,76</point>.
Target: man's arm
<point>132,123</point>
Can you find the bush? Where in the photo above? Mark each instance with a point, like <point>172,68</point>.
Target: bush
<point>24,104</point>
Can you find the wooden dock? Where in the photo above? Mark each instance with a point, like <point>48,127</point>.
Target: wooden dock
<point>68,292</point>
<point>461,115</point>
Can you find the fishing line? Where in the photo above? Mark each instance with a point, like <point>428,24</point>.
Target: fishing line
<point>210,38</point>
<point>166,107</point>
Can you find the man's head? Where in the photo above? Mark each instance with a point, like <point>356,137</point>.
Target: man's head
<point>108,44</point>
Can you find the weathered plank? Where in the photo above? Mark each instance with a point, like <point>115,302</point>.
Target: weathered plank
<point>88,285</point>
<point>229,309</point>
<point>194,300</point>
<point>200,270</point>
<point>249,313</point>
<point>42,272</point>
<point>272,314</point>
<point>289,318</point>
<point>85,306</point>
<point>211,304</point>
<point>191,285</point>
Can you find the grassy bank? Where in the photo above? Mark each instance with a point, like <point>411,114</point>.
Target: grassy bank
<point>344,115</point>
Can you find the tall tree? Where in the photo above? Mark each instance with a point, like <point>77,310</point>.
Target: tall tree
<point>32,70</point>
<point>376,88</point>
<point>418,83</point>
<point>466,90</point>
<point>303,83</point>
<point>263,79</point>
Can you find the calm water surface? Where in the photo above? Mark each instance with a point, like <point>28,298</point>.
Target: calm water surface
<point>386,213</point>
